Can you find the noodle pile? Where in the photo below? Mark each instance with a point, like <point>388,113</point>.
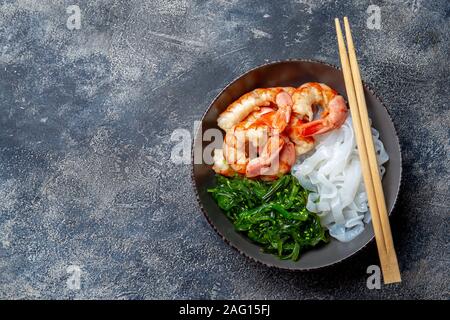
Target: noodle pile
<point>332,173</point>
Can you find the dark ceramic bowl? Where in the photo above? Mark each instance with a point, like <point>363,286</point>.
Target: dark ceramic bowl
<point>293,73</point>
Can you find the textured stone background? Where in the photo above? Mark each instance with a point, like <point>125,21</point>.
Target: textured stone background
<point>85,124</point>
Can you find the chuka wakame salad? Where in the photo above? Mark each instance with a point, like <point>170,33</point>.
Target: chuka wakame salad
<point>271,213</point>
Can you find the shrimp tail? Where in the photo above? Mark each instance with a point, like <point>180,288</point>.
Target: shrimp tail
<point>314,127</point>
<point>336,115</point>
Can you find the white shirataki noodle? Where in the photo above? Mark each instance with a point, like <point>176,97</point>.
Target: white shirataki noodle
<point>332,173</point>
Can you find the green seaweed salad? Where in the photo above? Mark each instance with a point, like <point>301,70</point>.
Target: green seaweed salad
<point>272,214</point>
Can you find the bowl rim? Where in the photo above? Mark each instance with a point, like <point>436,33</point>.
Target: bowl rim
<point>205,213</point>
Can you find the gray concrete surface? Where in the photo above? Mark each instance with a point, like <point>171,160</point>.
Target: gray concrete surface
<point>85,123</point>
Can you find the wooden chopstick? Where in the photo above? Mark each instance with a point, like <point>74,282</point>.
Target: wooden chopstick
<point>362,107</point>
<point>394,272</point>
<point>371,176</point>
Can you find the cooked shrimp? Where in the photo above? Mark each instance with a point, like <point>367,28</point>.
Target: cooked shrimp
<point>220,164</point>
<point>332,117</point>
<point>267,128</point>
<point>286,161</point>
<point>268,121</point>
<point>261,124</point>
<point>253,101</point>
<point>250,137</point>
<point>311,94</point>
<point>287,157</point>
<point>255,117</point>
<point>277,158</point>
<point>246,139</point>
<point>283,114</point>
<point>234,150</point>
<point>255,129</point>
<point>258,128</point>
<point>294,131</point>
